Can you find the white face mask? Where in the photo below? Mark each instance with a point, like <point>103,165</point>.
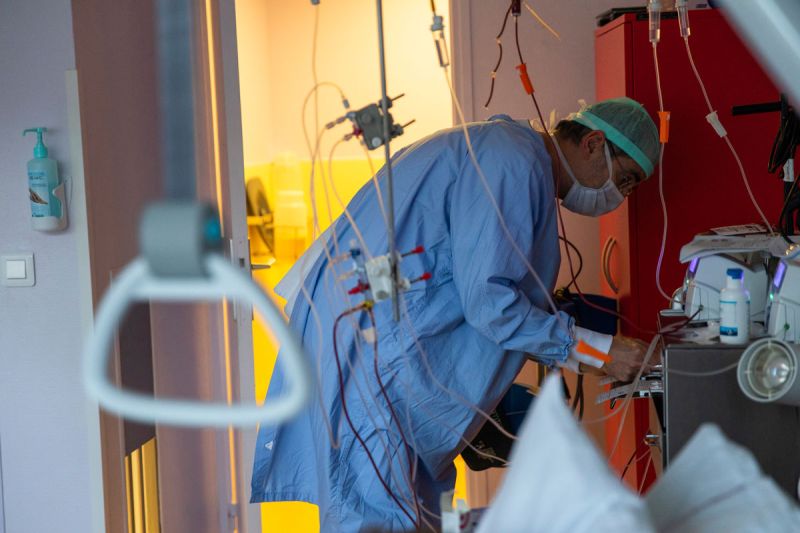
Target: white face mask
<point>585,200</point>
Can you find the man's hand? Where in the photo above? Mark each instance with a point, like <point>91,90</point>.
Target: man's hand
<point>626,358</point>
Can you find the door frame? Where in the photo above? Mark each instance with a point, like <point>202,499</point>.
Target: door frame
<point>236,447</point>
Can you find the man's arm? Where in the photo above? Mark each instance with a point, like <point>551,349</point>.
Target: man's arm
<point>487,270</point>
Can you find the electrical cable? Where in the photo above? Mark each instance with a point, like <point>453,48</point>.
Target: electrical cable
<point>426,364</point>
<point>646,471</point>
<point>344,296</point>
<point>391,407</point>
<point>356,230</point>
<point>785,144</point>
<point>330,259</point>
<point>703,374</point>
<point>529,89</point>
<point>633,460</point>
<point>580,259</point>
<point>314,153</point>
<point>578,400</point>
<point>653,344</point>
<point>355,432</point>
<point>499,57</point>
<point>496,207</point>
<point>473,157</point>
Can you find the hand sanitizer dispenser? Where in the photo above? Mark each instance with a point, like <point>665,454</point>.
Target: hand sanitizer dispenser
<point>46,191</point>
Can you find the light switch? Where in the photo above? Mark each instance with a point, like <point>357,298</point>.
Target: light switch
<point>17,270</point>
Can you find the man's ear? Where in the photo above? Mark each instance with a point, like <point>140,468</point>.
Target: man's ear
<point>593,141</point>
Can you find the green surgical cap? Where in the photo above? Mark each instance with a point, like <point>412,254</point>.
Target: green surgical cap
<point>626,124</point>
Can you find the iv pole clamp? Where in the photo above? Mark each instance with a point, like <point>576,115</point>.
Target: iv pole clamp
<point>180,261</point>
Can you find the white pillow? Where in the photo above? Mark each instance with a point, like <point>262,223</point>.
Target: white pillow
<point>558,482</point>
<point>716,485</point>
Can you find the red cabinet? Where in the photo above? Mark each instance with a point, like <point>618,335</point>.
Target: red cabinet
<point>699,170</point>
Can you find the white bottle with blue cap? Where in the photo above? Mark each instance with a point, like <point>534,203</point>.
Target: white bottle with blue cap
<point>734,307</point>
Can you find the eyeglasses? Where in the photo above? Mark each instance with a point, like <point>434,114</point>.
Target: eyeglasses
<point>630,178</point>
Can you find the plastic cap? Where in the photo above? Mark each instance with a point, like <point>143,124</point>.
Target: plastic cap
<point>40,150</point>
<point>626,124</point>
<point>735,273</point>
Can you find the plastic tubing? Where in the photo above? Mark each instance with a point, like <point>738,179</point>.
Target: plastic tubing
<point>648,355</point>
<point>661,181</point>
<point>725,136</point>
<point>496,208</point>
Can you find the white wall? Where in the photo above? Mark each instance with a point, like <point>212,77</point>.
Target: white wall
<point>47,437</point>
<point>561,71</point>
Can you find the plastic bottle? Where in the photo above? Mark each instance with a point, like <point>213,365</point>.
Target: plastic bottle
<point>734,305</point>
<point>43,186</point>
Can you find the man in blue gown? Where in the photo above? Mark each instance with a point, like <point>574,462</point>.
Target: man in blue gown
<point>397,401</point>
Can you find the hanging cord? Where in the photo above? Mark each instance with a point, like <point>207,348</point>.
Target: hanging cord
<point>578,401</point>
<point>580,259</point>
<point>346,413</point>
<point>499,57</point>
<point>633,460</point>
<point>391,407</point>
<point>664,136</point>
<point>646,471</point>
<point>714,121</point>
<point>528,86</point>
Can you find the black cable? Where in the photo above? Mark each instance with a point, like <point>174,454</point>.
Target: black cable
<point>499,58</point>
<point>394,416</point>
<point>787,139</point>
<point>346,413</point>
<point>569,243</point>
<point>578,401</point>
<point>516,38</point>
<point>630,462</point>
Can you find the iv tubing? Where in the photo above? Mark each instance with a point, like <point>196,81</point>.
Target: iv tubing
<point>727,139</point>
<point>661,181</point>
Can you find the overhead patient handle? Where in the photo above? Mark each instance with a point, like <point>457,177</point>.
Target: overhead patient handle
<point>221,280</point>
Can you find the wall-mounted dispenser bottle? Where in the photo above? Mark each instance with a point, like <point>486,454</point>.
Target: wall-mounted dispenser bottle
<point>48,209</point>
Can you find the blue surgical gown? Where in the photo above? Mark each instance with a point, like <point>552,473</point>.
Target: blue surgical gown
<point>461,342</point>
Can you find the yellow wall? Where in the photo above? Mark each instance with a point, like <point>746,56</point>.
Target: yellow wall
<point>275,45</point>
<point>275,38</point>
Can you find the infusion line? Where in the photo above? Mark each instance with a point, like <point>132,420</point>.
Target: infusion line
<point>496,207</point>
<point>661,176</point>
<point>724,134</point>
<point>334,439</point>
<point>330,264</point>
<point>353,429</point>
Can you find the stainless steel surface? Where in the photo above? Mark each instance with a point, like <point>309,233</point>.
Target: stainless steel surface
<point>770,431</point>
<point>388,155</point>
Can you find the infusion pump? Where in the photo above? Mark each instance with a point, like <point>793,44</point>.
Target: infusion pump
<point>706,277</point>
